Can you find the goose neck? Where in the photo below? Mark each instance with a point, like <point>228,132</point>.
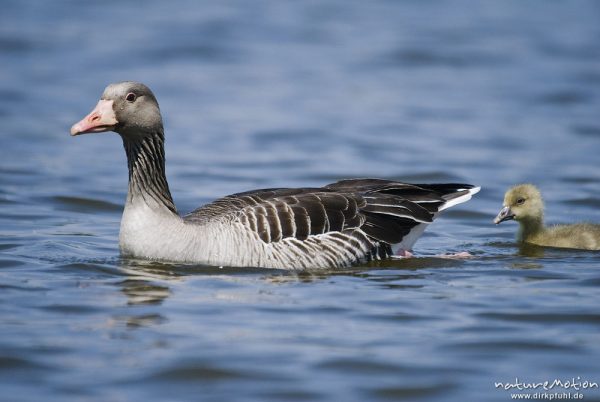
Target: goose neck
<point>147,178</point>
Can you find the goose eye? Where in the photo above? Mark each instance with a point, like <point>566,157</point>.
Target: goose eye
<point>520,201</point>
<point>130,97</point>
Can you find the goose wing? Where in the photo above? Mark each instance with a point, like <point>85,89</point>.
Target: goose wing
<point>376,213</point>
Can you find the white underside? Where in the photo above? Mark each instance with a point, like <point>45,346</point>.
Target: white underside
<point>410,239</point>
<point>161,235</point>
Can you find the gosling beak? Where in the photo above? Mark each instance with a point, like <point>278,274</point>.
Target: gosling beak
<point>505,214</point>
<point>101,119</point>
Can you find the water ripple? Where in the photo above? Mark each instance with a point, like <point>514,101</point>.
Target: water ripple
<point>270,94</point>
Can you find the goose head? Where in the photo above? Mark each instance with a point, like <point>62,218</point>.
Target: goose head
<point>127,108</point>
<point>522,203</point>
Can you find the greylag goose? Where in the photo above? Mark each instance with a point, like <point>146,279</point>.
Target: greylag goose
<point>523,203</point>
<point>338,225</point>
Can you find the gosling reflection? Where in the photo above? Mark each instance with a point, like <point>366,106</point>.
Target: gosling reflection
<point>531,250</point>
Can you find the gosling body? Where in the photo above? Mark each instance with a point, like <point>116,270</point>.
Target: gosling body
<point>524,204</point>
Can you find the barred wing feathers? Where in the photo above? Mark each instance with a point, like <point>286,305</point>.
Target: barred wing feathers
<point>347,221</point>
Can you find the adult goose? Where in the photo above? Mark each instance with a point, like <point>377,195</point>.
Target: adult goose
<point>343,223</point>
<point>523,203</point>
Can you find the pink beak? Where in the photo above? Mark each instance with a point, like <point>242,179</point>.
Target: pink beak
<point>101,119</point>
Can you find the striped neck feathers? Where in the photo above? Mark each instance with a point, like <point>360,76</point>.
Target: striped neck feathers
<point>147,179</point>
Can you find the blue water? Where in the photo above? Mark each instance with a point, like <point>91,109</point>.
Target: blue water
<point>268,94</point>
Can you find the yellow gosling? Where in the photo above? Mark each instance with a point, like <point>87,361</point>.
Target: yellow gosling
<point>524,204</point>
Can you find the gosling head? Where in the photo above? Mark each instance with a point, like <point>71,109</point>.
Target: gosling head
<point>127,108</point>
<point>522,203</point>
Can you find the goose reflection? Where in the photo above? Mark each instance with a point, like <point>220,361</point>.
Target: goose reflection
<point>145,284</point>
<point>144,292</point>
<point>148,283</point>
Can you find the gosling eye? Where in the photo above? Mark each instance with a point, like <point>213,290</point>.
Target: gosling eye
<point>130,97</point>
<point>520,201</point>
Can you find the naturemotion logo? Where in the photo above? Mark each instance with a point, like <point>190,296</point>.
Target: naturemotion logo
<point>575,384</point>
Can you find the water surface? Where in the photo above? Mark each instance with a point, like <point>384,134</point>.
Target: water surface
<point>269,94</point>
